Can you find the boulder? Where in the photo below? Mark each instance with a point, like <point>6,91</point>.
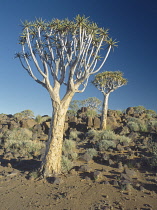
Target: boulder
<point>89,122</point>
<point>96,123</point>
<point>111,121</point>
<point>130,111</point>
<point>27,123</point>
<point>46,127</point>
<point>12,124</point>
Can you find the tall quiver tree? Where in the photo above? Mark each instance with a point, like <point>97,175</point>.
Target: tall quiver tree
<point>107,82</point>
<point>64,53</point>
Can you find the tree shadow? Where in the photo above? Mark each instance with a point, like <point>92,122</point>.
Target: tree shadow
<point>21,164</point>
<point>150,187</point>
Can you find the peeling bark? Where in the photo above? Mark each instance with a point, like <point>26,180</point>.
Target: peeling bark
<point>51,163</point>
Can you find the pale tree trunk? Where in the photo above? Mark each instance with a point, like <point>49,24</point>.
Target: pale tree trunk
<point>51,163</point>
<point>104,112</point>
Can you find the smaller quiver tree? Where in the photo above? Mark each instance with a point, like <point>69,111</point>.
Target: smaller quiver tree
<point>107,82</point>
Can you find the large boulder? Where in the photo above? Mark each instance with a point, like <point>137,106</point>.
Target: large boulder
<point>96,122</point>
<point>130,111</point>
<point>112,122</point>
<point>89,122</point>
<point>27,123</point>
<point>12,124</point>
<point>46,127</point>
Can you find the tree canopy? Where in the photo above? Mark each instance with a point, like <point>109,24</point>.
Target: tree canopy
<point>67,50</point>
<point>109,81</point>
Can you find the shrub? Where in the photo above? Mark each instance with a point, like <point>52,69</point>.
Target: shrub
<point>71,113</point>
<point>105,145</point>
<point>107,135</point>
<point>74,134</point>
<point>91,113</point>
<point>153,161</point>
<point>133,126</point>
<point>39,119</point>
<point>18,134</point>
<point>91,152</point>
<point>66,164</point>
<point>124,139</point>
<point>153,125</point>
<point>152,146</point>
<point>91,134</point>
<point>20,140</point>
<point>139,109</point>
<point>69,147</point>
<point>119,112</point>
<point>143,127</point>
<point>25,147</point>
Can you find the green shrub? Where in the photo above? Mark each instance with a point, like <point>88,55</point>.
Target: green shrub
<point>18,134</point>
<point>133,126</point>
<point>91,134</point>
<point>133,119</point>
<point>119,112</point>
<point>153,161</point>
<point>143,126</point>
<point>107,135</point>
<point>152,146</point>
<point>69,147</point>
<point>139,109</point>
<point>74,134</point>
<point>25,147</point>
<point>154,125</point>
<point>20,140</point>
<point>91,113</point>
<point>104,145</point>
<point>124,139</point>
<point>39,119</point>
<point>66,164</point>
<point>71,113</point>
<point>91,152</point>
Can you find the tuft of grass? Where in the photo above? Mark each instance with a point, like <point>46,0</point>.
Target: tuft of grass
<point>66,164</point>
<point>34,174</point>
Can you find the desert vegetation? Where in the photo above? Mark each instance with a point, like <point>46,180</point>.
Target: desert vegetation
<point>123,156</point>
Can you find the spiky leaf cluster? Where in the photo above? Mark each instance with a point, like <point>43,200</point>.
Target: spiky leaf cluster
<point>109,81</point>
<point>67,50</point>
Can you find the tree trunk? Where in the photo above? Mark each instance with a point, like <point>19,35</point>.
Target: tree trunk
<point>104,112</point>
<point>51,163</point>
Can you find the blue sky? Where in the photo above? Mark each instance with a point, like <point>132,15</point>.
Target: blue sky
<point>133,24</point>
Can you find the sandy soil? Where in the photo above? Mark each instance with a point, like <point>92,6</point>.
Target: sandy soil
<point>75,191</point>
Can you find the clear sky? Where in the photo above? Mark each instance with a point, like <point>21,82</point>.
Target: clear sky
<point>133,23</point>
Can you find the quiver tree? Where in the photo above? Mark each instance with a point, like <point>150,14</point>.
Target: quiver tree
<point>92,103</point>
<point>107,82</point>
<point>64,53</point>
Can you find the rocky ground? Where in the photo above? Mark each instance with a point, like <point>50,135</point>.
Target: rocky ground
<point>119,174</point>
<point>92,185</point>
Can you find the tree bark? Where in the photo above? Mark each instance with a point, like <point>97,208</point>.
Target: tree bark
<point>104,112</point>
<point>51,163</point>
